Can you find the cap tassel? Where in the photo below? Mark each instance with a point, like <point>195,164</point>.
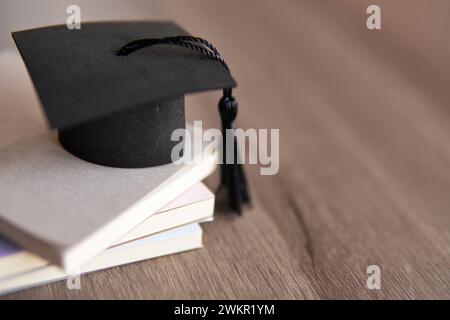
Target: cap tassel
<point>232,174</point>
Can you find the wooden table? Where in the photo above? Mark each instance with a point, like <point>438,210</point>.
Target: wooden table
<point>364,119</point>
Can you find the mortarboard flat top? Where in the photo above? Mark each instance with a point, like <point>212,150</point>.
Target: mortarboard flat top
<point>79,77</point>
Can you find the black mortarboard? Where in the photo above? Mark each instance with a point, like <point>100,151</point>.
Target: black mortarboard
<point>114,104</point>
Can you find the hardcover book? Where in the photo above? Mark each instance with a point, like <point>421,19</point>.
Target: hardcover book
<point>194,205</point>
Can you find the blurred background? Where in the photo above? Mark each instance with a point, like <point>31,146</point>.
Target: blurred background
<point>280,45</point>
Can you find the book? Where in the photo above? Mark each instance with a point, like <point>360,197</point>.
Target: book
<point>62,208</point>
<point>176,240</point>
<point>194,205</point>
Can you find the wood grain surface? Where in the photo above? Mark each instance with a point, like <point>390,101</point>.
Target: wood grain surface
<point>364,119</point>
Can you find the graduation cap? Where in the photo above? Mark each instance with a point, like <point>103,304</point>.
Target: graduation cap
<point>115,91</point>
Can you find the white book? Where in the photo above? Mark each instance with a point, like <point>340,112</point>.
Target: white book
<point>194,205</point>
<point>62,208</point>
<point>180,239</point>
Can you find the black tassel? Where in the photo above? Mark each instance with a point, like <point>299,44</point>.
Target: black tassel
<point>232,174</point>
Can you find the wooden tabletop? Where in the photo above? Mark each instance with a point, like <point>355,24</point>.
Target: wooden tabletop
<point>364,179</point>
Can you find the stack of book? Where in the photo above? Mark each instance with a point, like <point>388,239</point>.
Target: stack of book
<point>61,216</point>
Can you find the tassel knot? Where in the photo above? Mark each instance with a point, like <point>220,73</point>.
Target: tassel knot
<point>228,107</point>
